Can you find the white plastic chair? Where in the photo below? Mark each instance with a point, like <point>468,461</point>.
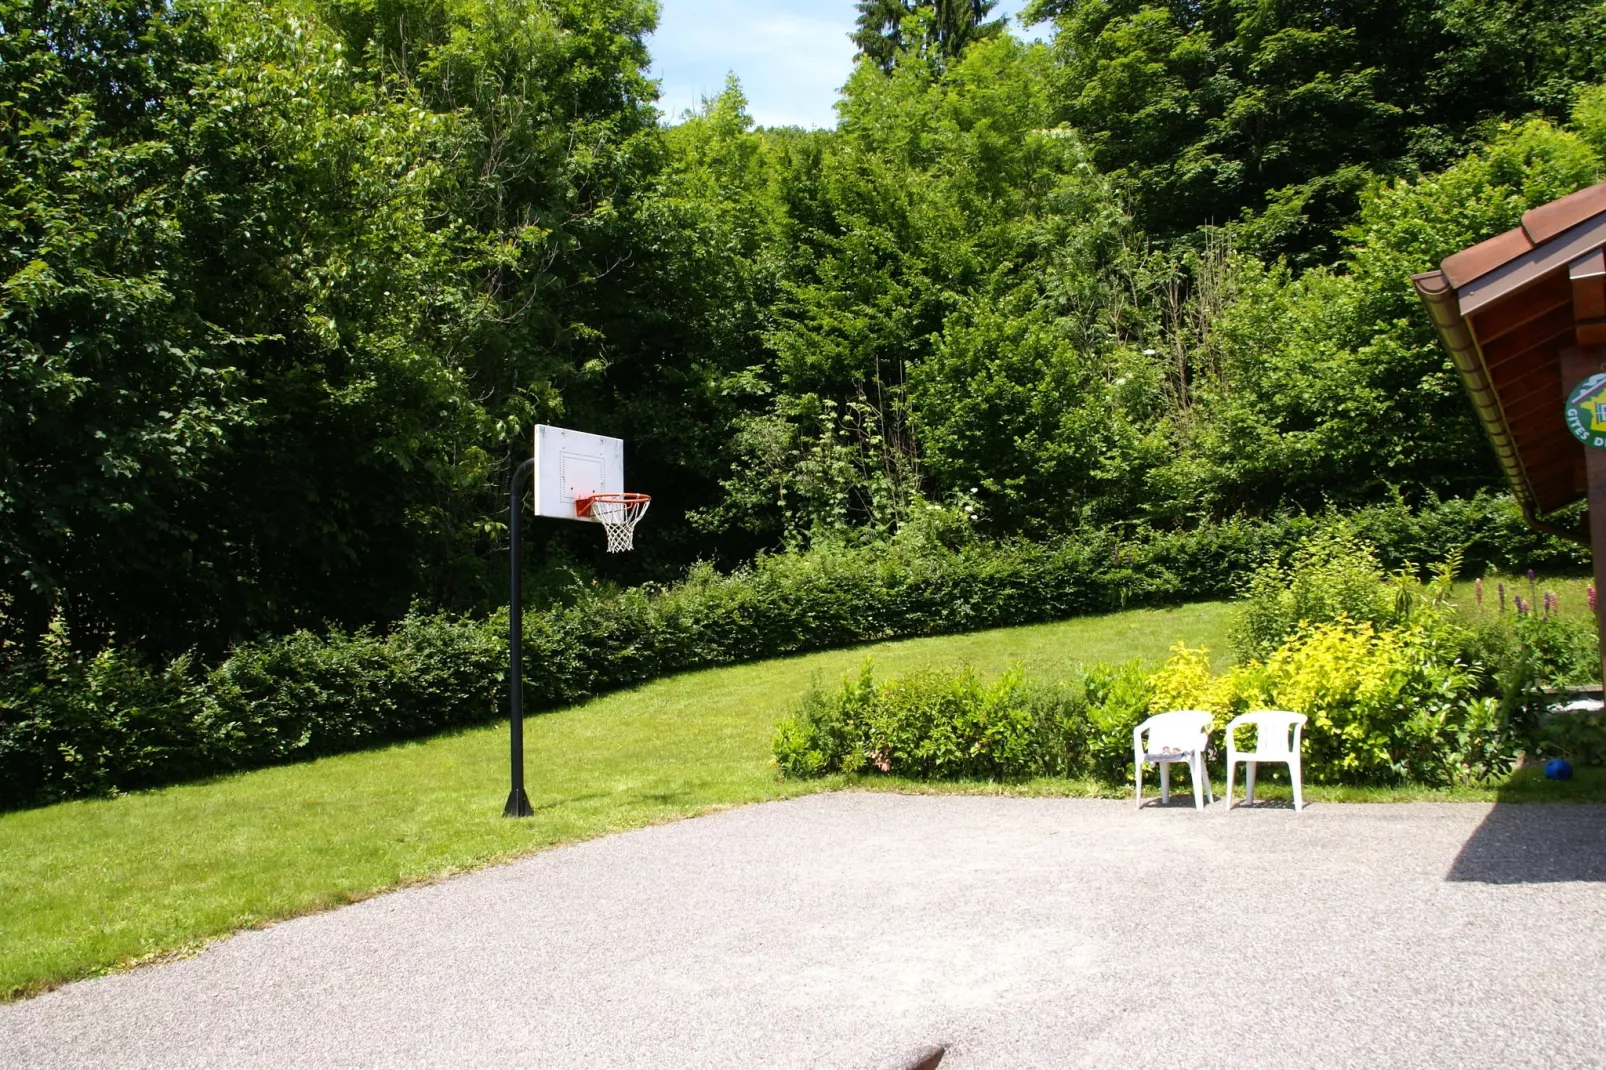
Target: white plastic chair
<point>1277,739</point>
<point>1178,736</point>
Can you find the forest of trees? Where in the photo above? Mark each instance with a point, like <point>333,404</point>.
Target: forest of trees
<point>286,284</point>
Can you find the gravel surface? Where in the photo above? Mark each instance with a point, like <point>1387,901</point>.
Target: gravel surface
<point>852,930</point>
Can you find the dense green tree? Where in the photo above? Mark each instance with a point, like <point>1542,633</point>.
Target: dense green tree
<point>282,292</point>
<point>945,238</point>
<point>1210,110</point>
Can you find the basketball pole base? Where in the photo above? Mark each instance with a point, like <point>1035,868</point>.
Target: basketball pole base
<point>518,804</point>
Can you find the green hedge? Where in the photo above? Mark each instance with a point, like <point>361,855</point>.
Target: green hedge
<point>74,724</point>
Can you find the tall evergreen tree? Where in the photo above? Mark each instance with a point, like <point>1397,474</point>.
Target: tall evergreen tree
<point>944,27</point>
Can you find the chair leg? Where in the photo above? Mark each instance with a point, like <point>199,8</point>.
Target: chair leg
<point>1230,764</point>
<point>1165,782</point>
<point>1193,774</point>
<point>1249,782</point>
<point>1137,782</point>
<point>1299,794</point>
<point>1204,774</point>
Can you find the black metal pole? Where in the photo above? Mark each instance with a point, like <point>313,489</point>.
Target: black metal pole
<point>518,803</point>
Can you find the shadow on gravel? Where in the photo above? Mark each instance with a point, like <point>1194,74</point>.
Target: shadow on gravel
<point>1534,843</point>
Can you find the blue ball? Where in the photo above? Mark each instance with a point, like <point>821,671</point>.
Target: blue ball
<point>1559,769</point>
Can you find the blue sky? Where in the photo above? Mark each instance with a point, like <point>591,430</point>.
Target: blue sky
<point>791,55</point>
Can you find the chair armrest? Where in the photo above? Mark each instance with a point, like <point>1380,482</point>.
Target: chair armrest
<point>1231,732</point>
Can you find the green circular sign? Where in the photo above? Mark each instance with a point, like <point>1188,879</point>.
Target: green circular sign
<point>1586,411</point>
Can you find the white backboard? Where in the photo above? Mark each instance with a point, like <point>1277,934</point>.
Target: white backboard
<point>573,464</point>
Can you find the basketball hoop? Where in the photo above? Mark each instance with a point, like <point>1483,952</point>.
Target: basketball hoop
<point>617,513</point>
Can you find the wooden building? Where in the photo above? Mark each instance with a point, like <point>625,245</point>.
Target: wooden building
<point>1523,316</point>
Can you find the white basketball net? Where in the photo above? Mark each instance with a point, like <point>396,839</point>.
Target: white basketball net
<point>618,515</point>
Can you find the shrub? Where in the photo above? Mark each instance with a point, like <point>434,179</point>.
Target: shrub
<point>932,725</point>
<point>72,725</point>
<point>1186,682</point>
<point>1395,699</point>
<point>1386,705</point>
<point>1437,695</point>
<point>1578,737</point>
<point>826,735</point>
<point>306,696</point>
<point>1332,575</point>
<point>935,725</point>
<point>1561,651</point>
<point>1118,699</point>
<point>1335,575</point>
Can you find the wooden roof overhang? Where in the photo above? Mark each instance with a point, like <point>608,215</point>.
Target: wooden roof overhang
<point>1507,310</point>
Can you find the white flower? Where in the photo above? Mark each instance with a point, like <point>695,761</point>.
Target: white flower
<point>1149,352</point>
<point>975,490</point>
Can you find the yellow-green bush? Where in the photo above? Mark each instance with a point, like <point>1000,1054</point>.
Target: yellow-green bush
<point>1186,682</point>
<point>1385,704</point>
<point>1398,687</point>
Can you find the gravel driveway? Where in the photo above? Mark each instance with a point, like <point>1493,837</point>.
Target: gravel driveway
<point>849,930</point>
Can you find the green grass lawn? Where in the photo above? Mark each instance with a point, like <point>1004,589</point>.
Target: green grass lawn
<point>86,886</point>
